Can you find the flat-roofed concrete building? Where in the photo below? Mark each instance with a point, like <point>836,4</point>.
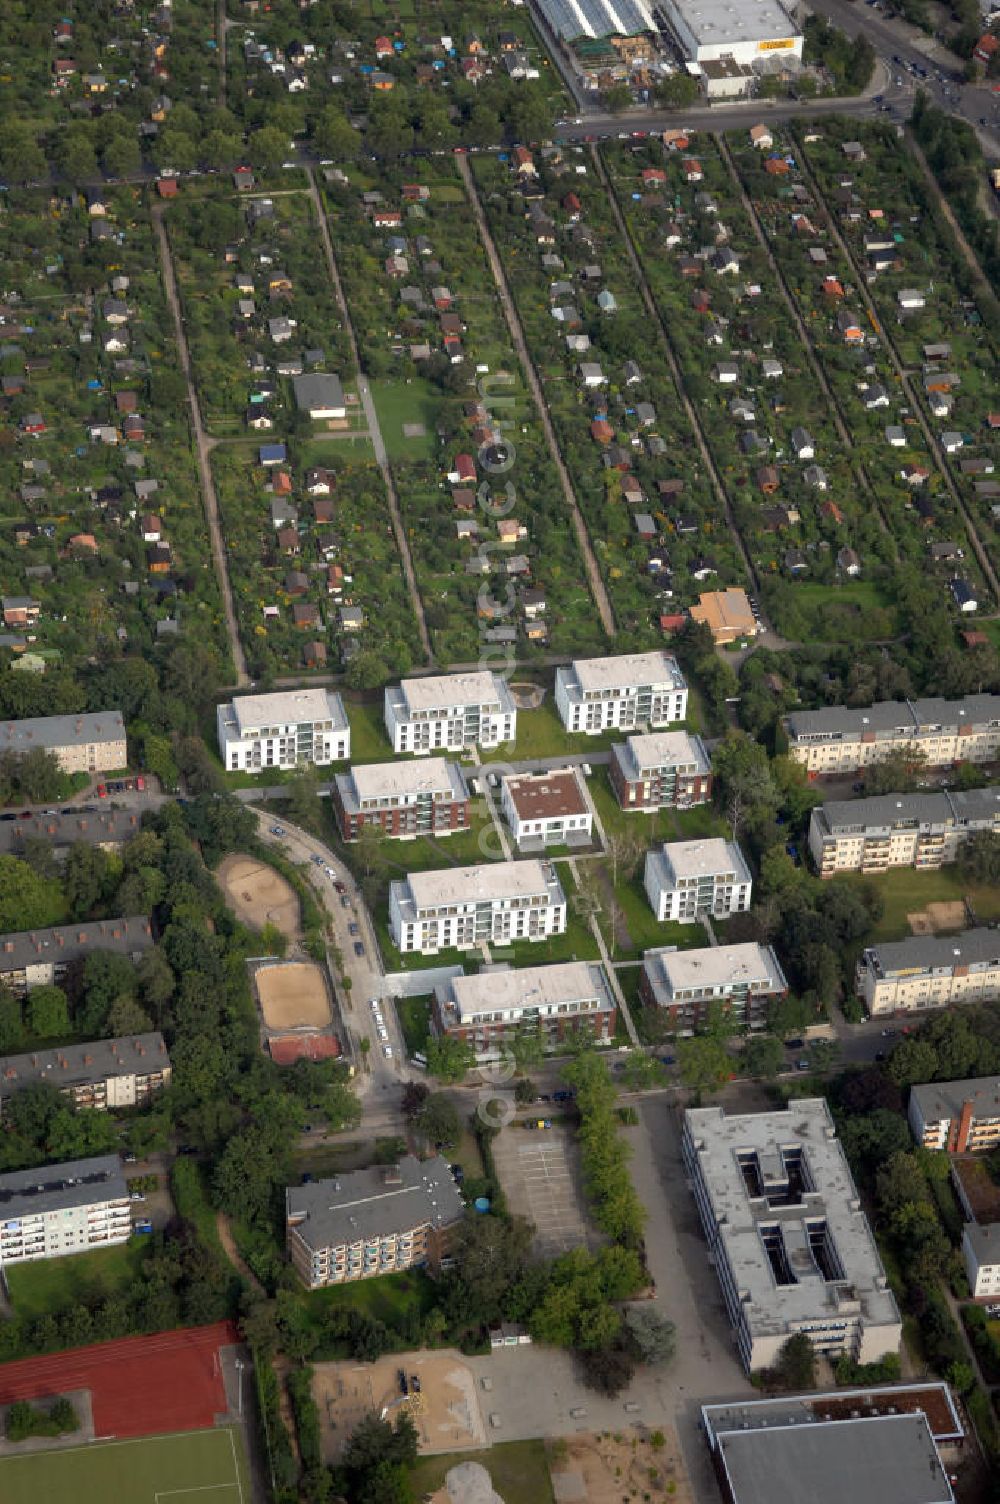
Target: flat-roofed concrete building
<point>369,1222</point>
<point>36,958</point>
<point>84,743</point>
<point>107,1073</point>
<point>792,1248</point>
<point>108,829</point>
<point>547,809</point>
<point>884,1459</point>
<point>843,739</point>
<point>63,1209</point>
<point>727,614</point>
<point>745,978</point>
<point>930,971</point>
<point>448,712</point>
<point>899,830</point>
<point>497,1002</point>
<point>981,1256</point>
<point>289,729</point>
<point>686,879</point>
<point>627,691</point>
<point>660,770</point>
<point>959,1116</point>
<point>930,1398</point>
<point>460,907</point>
<point>405,799</point>
<point>709,31</point>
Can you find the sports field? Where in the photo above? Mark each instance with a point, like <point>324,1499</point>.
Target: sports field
<point>193,1467</point>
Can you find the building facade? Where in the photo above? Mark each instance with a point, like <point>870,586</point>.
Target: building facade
<point>107,1073</point>
<point>842,739</point>
<point>547,809</point>
<point>37,958</point>
<point>660,770</point>
<point>84,743</point>
<point>628,691</point>
<point>709,31</point>
<point>686,879</point>
<point>108,829</point>
<point>930,971</point>
<point>981,1256</point>
<point>460,907</point>
<point>899,830</point>
<point>404,799</point>
<point>791,1247</point>
<point>962,1117</point>
<point>448,712</point>
<point>743,978</point>
<point>371,1222</point>
<point>291,729</point>
<point>499,1002</point>
<point>63,1209</point>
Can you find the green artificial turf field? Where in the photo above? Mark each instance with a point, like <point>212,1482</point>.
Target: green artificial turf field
<point>193,1467</point>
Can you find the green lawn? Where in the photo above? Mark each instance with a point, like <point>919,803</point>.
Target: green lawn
<point>56,1284</point>
<point>415,1021</point>
<point>650,829</point>
<point>210,1464</point>
<point>644,929</point>
<point>519,1471</point>
<point>399,402</point>
<point>540,733</point>
<point>906,891</point>
<point>369,742</point>
<point>387,1298</point>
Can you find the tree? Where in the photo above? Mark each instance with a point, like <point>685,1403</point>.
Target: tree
<point>449,1059</point>
<point>609,1370</point>
<point>704,1062</point>
<point>48,1014</point>
<point>438,1120</point>
<point>121,157</point>
<point>979,857</point>
<point>652,1336</point>
<point>525,1091</point>
<point>762,1055</point>
<point>268,148</point>
<point>27,901</point>
<point>823,1055</point>
<point>85,878</point>
<point>679,91</point>
<point>795,1366</point>
<point>415,1094</point>
<point>898,773</point>
<point>374,1444</point>
<point>335,137</point>
<point>126,1017</point>
<point>75,155</point>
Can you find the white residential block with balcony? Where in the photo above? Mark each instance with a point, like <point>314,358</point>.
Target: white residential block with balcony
<point>461,907</point>
<point>448,712</point>
<point>62,1209</point>
<point>685,879</point>
<point>627,691</point>
<point>291,729</point>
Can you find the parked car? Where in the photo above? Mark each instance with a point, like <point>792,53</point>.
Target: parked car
<point>354,928</point>
<point>359,949</point>
<point>277,830</point>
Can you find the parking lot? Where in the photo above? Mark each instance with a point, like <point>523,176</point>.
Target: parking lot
<point>540,1173</point>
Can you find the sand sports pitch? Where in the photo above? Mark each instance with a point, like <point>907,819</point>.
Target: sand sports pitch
<point>258,895</point>
<point>446,1412</point>
<point>293,995</point>
<point>938,918</point>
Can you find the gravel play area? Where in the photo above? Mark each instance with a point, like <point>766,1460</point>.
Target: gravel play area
<point>445,1409</point>
<point>258,895</point>
<point>293,995</point>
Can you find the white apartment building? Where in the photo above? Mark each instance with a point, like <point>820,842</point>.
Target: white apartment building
<point>686,983</point>
<point>447,712</point>
<point>628,691</point>
<point>685,879</point>
<point>981,1256</point>
<point>547,809</point>
<point>289,729</point>
<point>842,739</point>
<point>63,1209</point>
<point>460,907</point>
<point>496,1002</point>
<point>930,971</point>
<point>898,830</point>
<point>790,1245</point>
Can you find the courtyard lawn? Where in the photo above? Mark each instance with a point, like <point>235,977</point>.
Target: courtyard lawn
<point>905,891</point>
<point>403,402</point>
<point>388,1297</point>
<point>645,932</point>
<point>518,1469</point>
<point>651,829</point>
<point>540,733</point>
<point>369,742</point>
<point>47,1285</point>
<point>414,1015</point>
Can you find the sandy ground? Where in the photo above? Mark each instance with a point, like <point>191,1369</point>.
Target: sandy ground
<point>293,995</point>
<point>938,918</point>
<point>446,1411</point>
<point>258,895</point>
<point>610,1467</point>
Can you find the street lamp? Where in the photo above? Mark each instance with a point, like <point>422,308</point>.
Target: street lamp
<point>240,1365</point>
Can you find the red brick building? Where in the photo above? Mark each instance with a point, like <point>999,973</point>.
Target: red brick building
<point>406,799</point>
<point>663,770</point>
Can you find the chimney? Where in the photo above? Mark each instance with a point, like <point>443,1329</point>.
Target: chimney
<point>81,936</point>
<point>60,939</point>
<point>88,1059</point>
<point>964,1128</point>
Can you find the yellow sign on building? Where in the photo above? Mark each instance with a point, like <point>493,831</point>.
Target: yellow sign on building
<point>780,46</point>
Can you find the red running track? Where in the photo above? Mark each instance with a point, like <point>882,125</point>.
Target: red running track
<point>139,1385</point>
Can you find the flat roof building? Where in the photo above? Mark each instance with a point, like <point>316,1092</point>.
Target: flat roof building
<point>930,1398</point>
<point>750,32</point>
<point>84,743</point>
<point>792,1248</point>
<point>547,809</point>
<point>447,712</point>
<point>744,978</point>
<point>289,729</point>
<point>660,770</point>
<point>370,1222</point>
<point>405,799</point>
<point>104,1074</point>
<point>498,1001</point>
<point>899,830</point>
<point>36,958</point>
<point>930,971</point>
<point>629,691</point>
<point>959,1116</point>
<point>460,907</point>
<point>843,738</point>
<point>63,1209</point>
<point>727,614</point>
<point>686,879</point>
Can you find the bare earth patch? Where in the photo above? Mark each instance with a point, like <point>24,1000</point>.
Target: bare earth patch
<point>938,918</point>
<point>293,995</point>
<point>445,1412</point>
<point>258,895</point>
<point>615,1468</point>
